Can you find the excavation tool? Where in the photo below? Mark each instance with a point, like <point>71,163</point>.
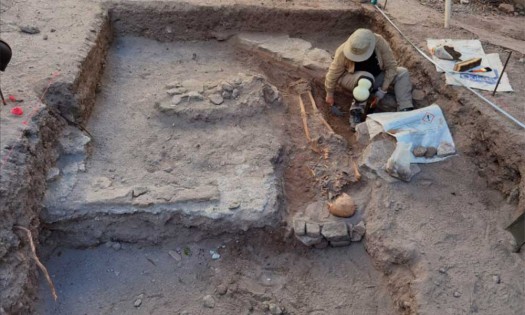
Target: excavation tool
<point>517,229</point>
<point>5,57</point>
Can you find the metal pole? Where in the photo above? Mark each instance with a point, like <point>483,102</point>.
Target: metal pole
<point>2,95</point>
<point>448,12</point>
<point>502,71</point>
<point>384,6</point>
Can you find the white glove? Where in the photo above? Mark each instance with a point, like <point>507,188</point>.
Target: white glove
<point>380,94</point>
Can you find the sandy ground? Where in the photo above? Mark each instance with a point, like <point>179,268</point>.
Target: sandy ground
<point>438,242</point>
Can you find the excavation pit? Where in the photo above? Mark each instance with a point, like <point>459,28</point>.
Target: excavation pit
<point>170,171</point>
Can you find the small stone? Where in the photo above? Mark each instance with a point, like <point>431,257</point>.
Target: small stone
<point>215,255</point>
<point>29,30</point>
<point>226,86</point>
<point>358,231</point>
<point>496,279</point>
<point>235,93</point>
<point>418,95</point>
<point>299,227</point>
<point>419,151</point>
<point>52,174</point>
<point>138,303</point>
<point>270,93</point>
<point>335,231</point>
<point>222,289</point>
<point>176,99</point>
<point>52,30</point>
<point>506,7</point>
<point>208,301</point>
<point>216,99</point>
<point>116,246</point>
<point>226,95</point>
<point>237,81</point>
<point>174,84</point>
<point>139,191</point>
<point>275,309</point>
<point>442,270</point>
<point>464,1</point>
<point>457,294</point>
<point>431,152</point>
<point>313,229</point>
<point>339,243</point>
<point>445,149</point>
<point>45,37</point>
<point>176,91</point>
<point>175,255</point>
<point>195,96</point>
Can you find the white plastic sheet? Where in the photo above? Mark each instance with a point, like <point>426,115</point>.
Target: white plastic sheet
<point>472,49</point>
<point>421,127</point>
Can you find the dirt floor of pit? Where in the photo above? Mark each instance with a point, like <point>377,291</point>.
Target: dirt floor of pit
<point>252,269</point>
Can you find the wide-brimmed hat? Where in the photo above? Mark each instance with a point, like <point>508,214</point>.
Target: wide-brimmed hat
<point>360,45</point>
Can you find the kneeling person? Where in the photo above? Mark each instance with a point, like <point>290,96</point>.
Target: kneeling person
<point>366,55</point>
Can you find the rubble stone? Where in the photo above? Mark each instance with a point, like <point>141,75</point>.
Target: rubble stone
<point>177,91</point>
<point>358,231</point>
<point>52,174</point>
<point>335,231</point>
<point>506,7</point>
<point>208,301</point>
<point>309,241</point>
<point>445,149</point>
<point>313,229</point>
<point>299,227</point>
<point>176,99</point>
<point>216,99</point>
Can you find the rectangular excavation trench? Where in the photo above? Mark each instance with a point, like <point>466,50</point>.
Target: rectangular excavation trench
<point>193,178</point>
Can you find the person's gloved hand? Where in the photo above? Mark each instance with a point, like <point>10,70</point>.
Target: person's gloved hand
<point>380,94</point>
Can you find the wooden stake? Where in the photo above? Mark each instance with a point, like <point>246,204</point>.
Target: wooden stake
<point>38,263</point>
<point>305,120</point>
<point>314,105</point>
<point>448,12</point>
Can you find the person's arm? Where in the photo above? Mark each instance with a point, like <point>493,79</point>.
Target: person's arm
<point>389,61</point>
<point>336,70</point>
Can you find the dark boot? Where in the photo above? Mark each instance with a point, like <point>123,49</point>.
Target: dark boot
<point>356,117</point>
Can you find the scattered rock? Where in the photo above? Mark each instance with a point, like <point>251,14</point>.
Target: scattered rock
<point>194,96</point>
<point>52,174</point>
<point>216,99</point>
<point>419,151</point>
<point>176,99</point>
<point>166,108</point>
<point>208,301</point>
<point>457,294</point>
<point>235,93</point>
<point>222,289</point>
<point>361,133</point>
<point>496,279</point>
<point>335,231</point>
<point>270,93</point>
<point>442,270</point>
<point>173,85</point>
<point>506,7</point>
<point>138,301</point>
<point>313,229</point>
<point>176,91</point>
<point>464,1</point>
<point>29,30</point>
<point>431,152</point>
<point>175,255</point>
<point>226,86</point>
<point>116,246</point>
<point>343,206</point>
<point>215,255</point>
<point>226,95</point>
<point>299,227</point>
<point>139,191</point>
<point>418,95</point>
<point>45,37</point>
<point>358,231</point>
<point>275,309</point>
<point>445,149</point>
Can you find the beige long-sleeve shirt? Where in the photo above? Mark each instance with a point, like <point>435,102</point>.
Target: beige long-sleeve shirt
<point>341,64</point>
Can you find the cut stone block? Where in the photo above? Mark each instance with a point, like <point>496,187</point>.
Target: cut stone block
<point>335,231</point>
<point>313,229</point>
<point>299,227</point>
